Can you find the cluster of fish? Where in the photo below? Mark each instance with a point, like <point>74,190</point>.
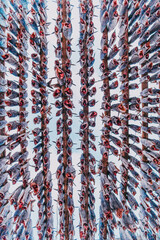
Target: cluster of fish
<point>15,107</point>
<point>129,77</point>
<point>142,18</point>
<point>42,183</point>
<point>130,54</point>
<point>110,207</point>
<point>88,226</point>
<point>134,21</point>
<point>65,172</point>
<point>5,215</point>
<point>149,42</point>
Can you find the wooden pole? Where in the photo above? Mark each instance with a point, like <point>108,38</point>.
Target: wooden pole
<point>144,124</point>
<point>2,98</point>
<point>65,126</point>
<point>86,136</point>
<point>125,102</point>
<point>22,80</point>
<point>107,114</point>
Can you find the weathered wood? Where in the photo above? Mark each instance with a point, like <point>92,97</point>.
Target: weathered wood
<point>86,131</point>
<point>144,124</point>
<point>2,98</point>
<point>125,102</point>
<point>65,126</point>
<point>106,94</point>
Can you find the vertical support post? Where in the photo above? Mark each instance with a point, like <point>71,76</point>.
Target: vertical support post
<point>65,126</point>
<point>2,97</point>
<point>125,102</point>
<point>87,223</point>
<point>107,114</point>
<point>144,124</point>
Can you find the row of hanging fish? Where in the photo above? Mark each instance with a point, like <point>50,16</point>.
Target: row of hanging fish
<point>5,226</point>
<point>15,54</point>
<point>131,153</point>
<point>111,208</point>
<point>149,70</point>
<point>130,146</point>
<point>88,225</point>
<point>63,94</point>
<point>42,183</point>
